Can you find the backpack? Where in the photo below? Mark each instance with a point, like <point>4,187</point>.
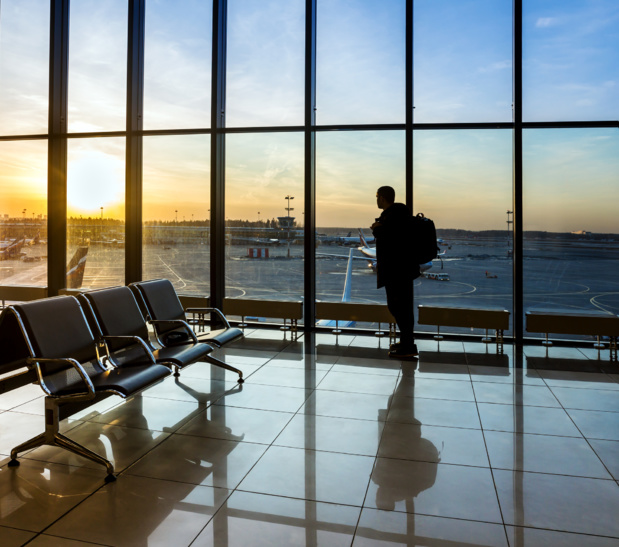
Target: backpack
<point>425,247</point>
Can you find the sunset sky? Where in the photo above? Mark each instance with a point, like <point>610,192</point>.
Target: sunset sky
<point>463,73</point>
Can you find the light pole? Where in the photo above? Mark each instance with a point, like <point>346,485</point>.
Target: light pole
<point>101,213</point>
<point>288,222</point>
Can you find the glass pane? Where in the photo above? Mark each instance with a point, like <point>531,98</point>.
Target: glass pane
<point>571,229</point>
<point>266,63</point>
<point>176,211</point>
<point>360,62</point>
<point>24,66</point>
<point>177,64</point>
<point>570,60</point>
<point>23,213</point>
<point>98,66</point>
<point>96,211</point>
<point>463,182</point>
<point>350,167</point>
<point>463,61</point>
<point>264,216</point>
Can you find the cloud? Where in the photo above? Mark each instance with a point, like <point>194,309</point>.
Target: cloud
<point>494,67</point>
<point>544,22</point>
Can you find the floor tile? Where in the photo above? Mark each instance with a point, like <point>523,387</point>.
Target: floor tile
<point>311,475</point>
<point>429,489</point>
<point>514,394</point>
<point>16,428</point>
<point>20,396</point>
<point>585,380</point>
<point>544,454</point>
<point>288,377</point>
<point>36,494</point>
<point>608,452</point>
<point>512,376</point>
<point>411,410</point>
<point>12,537</point>
<point>531,537</point>
<point>382,528</point>
<point>237,357</point>
<point>362,365</point>
<point>330,434</point>
<point>121,445</point>
<point>191,389</point>
<point>527,419</point>
<point>277,398</point>
<point>240,424</point>
<point>428,443</point>
<point>430,388</point>
<point>595,424</point>
<point>198,460</point>
<point>372,384</point>
<point>172,513</point>
<point>256,519</point>
<point>213,372</point>
<point>442,371</point>
<point>300,362</point>
<point>151,413</point>
<point>347,405</point>
<point>588,399</point>
<point>558,502</point>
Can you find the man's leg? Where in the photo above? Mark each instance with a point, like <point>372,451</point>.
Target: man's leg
<point>400,304</point>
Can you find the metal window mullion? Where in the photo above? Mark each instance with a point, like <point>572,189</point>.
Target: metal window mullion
<point>218,154</point>
<point>133,152</point>
<point>57,146</point>
<point>518,275</point>
<point>309,279</point>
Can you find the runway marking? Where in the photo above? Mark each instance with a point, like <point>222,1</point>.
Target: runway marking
<point>178,277</point>
<point>601,306</point>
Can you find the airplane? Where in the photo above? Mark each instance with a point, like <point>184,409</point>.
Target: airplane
<point>350,240</point>
<point>11,248</point>
<point>370,254</point>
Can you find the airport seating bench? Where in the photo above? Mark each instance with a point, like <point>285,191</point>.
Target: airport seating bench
<point>287,310</point>
<point>591,323</point>
<point>350,311</point>
<point>50,342</point>
<point>481,318</point>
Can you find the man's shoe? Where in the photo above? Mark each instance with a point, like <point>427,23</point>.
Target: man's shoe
<point>404,352</point>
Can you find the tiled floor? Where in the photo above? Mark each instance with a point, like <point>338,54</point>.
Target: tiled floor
<point>332,445</point>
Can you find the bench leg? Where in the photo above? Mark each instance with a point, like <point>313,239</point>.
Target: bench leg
<point>52,437</point>
<point>226,366</point>
<point>486,339</point>
<point>438,336</point>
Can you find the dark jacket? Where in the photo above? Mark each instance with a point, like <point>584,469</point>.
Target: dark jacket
<point>394,260</point>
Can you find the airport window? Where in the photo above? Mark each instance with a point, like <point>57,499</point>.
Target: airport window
<point>570,199</point>
<point>570,60</point>
<point>176,211</point>
<point>462,61</point>
<point>350,167</point>
<point>265,63</point>
<point>24,66</point>
<point>96,211</point>
<point>177,65</point>
<point>23,213</point>
<point>97,66</point>
<point>264,216</point>
<point>463,182</point>
<point>360,65</point>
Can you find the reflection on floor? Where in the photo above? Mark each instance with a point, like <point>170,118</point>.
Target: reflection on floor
<point>333,444</point>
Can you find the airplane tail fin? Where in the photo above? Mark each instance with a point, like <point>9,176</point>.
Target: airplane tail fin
<point>362,238</point>
<point>76,267</point>
<point>348,283</point>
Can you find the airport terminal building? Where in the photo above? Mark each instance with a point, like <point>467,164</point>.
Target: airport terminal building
<point>234,148</point>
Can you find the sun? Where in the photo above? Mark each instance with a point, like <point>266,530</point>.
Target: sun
<point>95,180</point>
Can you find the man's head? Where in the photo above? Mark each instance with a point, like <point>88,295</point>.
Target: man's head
<point>385,196</point>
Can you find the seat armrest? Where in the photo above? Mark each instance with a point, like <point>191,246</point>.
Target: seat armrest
<point>135,339</point>
<point>178,323</point>
<point>85,396</point>
<point>210,310</point>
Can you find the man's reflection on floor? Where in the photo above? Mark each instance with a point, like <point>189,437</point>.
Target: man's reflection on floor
<point>393,488</point>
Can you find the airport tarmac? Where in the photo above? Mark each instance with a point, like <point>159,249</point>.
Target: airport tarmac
<point>559,275</point>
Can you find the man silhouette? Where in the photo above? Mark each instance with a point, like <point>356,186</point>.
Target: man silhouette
<point>396,268</point>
